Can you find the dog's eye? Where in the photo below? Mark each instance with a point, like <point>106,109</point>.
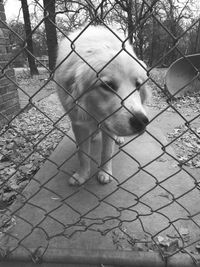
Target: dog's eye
<point>138,85</point>
<point>109,86</point>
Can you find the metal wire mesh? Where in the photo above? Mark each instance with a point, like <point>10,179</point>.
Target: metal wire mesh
<point>152,204</point>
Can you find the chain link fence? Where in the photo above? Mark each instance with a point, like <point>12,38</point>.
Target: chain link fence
<point>149,215</point>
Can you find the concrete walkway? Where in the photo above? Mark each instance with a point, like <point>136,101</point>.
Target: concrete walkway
<point>147,197</point>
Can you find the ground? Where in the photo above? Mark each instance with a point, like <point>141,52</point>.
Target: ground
<point>178,119</point>
<point>180,122</point>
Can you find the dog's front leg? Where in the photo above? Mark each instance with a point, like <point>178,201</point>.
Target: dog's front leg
<point>105,174</point>
<point>83,141</point>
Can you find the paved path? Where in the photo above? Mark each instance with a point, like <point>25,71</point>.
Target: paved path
<point>146,197</point>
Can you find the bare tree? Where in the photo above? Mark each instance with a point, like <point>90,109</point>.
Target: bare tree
<point>197,41</point>
<point>134,16</point>
<point>175,13</point>
<point>29,41</point>
<point>50,28</point>
<point>96,11</point>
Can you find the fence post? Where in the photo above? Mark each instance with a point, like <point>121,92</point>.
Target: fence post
<point>9,100</point>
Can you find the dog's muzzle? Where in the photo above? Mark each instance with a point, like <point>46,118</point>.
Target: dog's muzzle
<point>139,121</point>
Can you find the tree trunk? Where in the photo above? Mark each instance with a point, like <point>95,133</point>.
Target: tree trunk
<point>29,41</point>
<point>153,43</point>
<point>51,35</point>
<point>131,25</point>
<point>197,41</point>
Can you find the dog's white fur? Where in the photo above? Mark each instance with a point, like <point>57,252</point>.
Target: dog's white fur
<point>100,84</point>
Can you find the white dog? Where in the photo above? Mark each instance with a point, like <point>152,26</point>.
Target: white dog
<point>101,85</point>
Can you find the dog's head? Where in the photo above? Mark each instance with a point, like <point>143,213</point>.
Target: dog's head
<point>116,95</point>
<point>109,83</point>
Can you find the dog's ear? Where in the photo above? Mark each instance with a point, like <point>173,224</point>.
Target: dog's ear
<point>67,91</point>
<point>84,79</point>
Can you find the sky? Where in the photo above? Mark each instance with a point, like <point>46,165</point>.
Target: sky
<point>12,8</point>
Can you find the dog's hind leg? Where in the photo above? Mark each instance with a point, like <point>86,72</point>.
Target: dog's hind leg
<point>83,142</point>
<point>105,174</point>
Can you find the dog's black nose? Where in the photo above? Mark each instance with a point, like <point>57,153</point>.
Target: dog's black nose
<point>139,121</point>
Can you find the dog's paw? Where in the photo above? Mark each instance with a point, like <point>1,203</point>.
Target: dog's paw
<point>76,180</point>
<point>119,140</point>
<point>103,177</point>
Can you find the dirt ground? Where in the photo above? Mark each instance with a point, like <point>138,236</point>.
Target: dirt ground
<point>37,88</point>
<point>179,120</point>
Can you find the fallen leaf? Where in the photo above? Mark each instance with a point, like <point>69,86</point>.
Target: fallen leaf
<point>4,165</point>
<point>9,171</point>
<point>167,244</point>
<point>4,158</point>
<point>165,195</point>
<point>198,247</point>
<point>183,231</point>
<point>197,164</point>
